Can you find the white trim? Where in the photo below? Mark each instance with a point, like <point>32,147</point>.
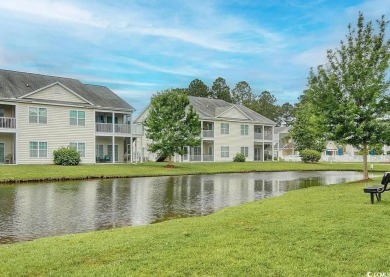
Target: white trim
<point>234,106</point>
<point>52,85</point>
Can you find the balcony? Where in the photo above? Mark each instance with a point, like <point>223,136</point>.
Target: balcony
<point>267,136</point>
<point>107,128</point>
<point>7,123</point>
<point>258,135</point>
<point>208,133</point>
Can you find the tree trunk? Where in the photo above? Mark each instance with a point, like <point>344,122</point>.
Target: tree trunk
<point>365,164</point>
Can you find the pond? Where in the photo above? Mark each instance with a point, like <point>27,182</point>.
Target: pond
<point>34,210</point>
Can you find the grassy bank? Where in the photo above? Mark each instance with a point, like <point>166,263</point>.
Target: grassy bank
<point>55,172</point>
<point>319,231</point>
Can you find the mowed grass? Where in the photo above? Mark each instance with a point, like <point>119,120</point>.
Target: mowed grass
<point>15,173</point>
<point>318,231</point>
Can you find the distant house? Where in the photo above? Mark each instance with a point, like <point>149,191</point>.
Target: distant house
<point>283,142</point>
<point>40,113</point>
<point>227,129</point>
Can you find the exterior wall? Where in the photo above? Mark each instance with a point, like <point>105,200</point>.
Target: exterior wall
<point>56,93</point>
<point>57,132</point>
<point>234,140</point>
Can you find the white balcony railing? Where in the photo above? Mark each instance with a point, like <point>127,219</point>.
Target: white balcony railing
<point>208,133</point>
<point>123,128</point>
<point>7,122</point>
<point>104,127</point>
<point>135,129</point>
<point>267,135</point>
<point>258,135</point>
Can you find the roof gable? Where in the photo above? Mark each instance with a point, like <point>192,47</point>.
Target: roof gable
<point>231,112</point>
<point>56,92</point>
<point>23,85</point>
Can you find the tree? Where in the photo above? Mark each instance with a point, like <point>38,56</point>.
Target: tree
<point>307,131</point>
<point>220,90</point>
<point>171,124</point>
<point>351,91</point>
<point>265,105</point>
<point>242,93</point>
<point>285,114</point>
<point>198,88</point>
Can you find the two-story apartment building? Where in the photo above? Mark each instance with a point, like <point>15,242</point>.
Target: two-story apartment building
<point>227,129</point>
<point>40,113</point>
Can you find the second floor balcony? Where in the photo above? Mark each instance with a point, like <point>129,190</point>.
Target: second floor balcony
<point>7,123</point>
<point>108,128</point>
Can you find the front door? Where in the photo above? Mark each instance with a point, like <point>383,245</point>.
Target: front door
<point>1,152</point>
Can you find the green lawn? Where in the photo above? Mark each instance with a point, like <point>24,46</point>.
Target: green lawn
<point>318,231</point>
<point>54,172</point>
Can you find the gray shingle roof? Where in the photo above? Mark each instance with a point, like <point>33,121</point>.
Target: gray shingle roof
<point>210,108</point>
<point>15,84</point>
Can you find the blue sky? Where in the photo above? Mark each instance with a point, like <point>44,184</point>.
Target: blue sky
<point>137,48</point>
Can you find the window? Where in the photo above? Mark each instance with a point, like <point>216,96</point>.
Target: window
<point>225,128</point>
<point>1,112</point>
<point>244,151</point>
<point>38,149</point>
<point>244,130</point>
<point>225,151</point>
<point>37,115</point>
<point>80,147</point>
<point>197,150</point>
<point>77,118</point>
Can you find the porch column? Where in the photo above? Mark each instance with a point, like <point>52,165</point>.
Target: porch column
<point>272,139</point>
<point>16,153</point>
<point>263,131</point>
<point>201,142</point>
<point>113,137</point>
<point>142,152</point>
<point>263,147</point>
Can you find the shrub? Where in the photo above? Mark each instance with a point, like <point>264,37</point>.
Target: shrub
<point>312,156</point>
<point>239,158</point>
<point>66,156</point>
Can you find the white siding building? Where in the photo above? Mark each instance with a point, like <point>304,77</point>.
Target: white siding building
<point>227,129</point>
<point>40,113</point>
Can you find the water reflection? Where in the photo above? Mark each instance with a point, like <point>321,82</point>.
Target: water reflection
<point>29,211</point>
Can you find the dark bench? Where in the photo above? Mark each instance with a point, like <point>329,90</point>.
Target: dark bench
<point>378,190</point>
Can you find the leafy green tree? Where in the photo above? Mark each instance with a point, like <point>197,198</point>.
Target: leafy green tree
<point>171,124</point>
<point>198,88</point>
<point>351,90</point>
<point>307,131</point>
<point>242,94</point>
<point>220,90</point>
<point>264,104</point>
<point>285,114</point>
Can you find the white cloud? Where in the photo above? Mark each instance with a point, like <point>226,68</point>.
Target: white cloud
<point>55,10</point>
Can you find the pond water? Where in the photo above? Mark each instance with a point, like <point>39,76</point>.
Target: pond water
<point>34,210</point>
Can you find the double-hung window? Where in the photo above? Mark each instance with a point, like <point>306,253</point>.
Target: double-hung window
<point>38,149</point>
<point>77,118</point>
<point>79,146</point>
<point>244,129</point>
<point>244,151</point>
<point>225,151</point>
<point>225,128</point>
<point>37,115</point>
